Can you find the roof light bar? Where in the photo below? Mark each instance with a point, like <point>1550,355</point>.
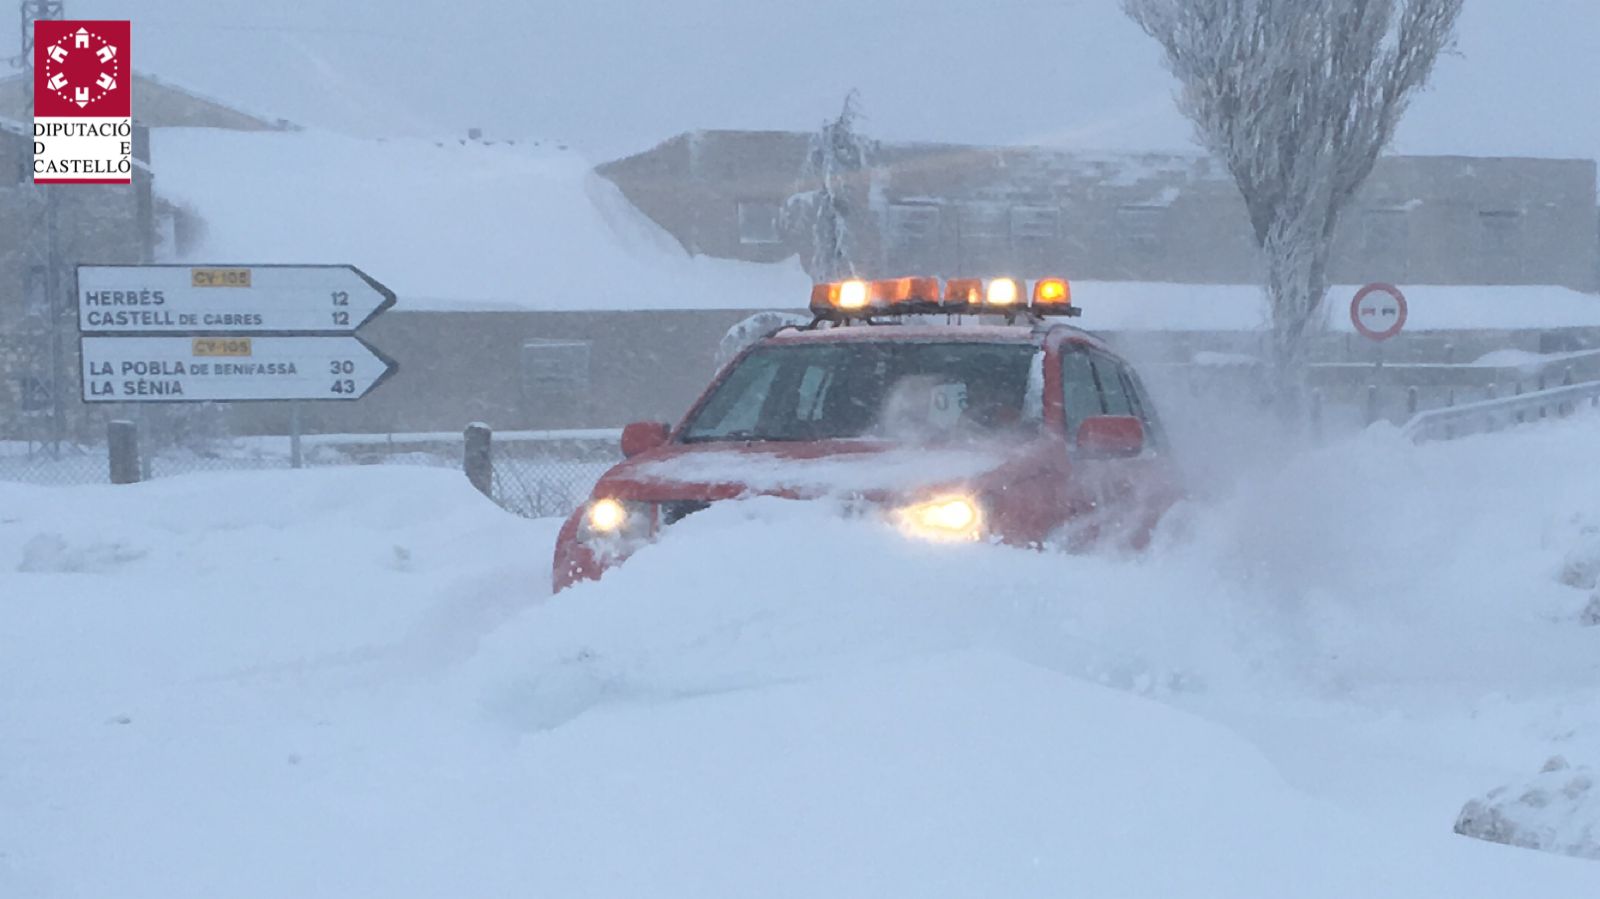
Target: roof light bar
<point>858,299</point>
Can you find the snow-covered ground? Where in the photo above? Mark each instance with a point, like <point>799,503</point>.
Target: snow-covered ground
<point>353,682</point>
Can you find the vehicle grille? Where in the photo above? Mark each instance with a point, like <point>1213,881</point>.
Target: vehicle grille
<point>677,510</point>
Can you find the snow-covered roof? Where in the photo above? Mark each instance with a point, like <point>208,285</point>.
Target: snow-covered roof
<point>266,121</point>
<point>447,225</point>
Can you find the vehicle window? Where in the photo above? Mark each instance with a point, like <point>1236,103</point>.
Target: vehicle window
<point>736,406</point>
<point>1079,394</point>
<point>1155,437</point>
<point>896,390</point>
<point>814,385</point>
<point>1114,396</point>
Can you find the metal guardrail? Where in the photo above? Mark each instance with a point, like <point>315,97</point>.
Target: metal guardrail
<point>1501,412</point>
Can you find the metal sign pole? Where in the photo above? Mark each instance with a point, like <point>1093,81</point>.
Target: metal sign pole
<point>57,311</point>
<point>295,459</point>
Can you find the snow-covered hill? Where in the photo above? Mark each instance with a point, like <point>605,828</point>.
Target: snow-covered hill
<point>346,682</point>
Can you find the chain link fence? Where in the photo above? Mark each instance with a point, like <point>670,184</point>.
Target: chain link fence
<point>537,474</point>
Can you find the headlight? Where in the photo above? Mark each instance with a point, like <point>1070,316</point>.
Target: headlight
<point>613,520</point>
<point>945,518</point>
<point>607,516</point>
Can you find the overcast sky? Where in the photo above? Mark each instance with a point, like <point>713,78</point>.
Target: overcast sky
<point>615,76</point>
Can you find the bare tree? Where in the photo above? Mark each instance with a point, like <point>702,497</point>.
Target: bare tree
<point>1297,98</point>
<point>833,196</point>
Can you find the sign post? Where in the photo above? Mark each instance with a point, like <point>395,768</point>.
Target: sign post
<point>1378,312</point>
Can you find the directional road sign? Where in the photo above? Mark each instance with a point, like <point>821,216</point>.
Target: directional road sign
<point>226,299</point>
<point>220,368</point>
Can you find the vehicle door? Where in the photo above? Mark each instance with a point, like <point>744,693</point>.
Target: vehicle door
<point>1114,496</point>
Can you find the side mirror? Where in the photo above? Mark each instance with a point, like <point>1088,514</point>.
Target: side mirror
<point>642,437</point>
<point>1111,437</point>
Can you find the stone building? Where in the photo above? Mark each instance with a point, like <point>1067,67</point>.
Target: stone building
<point>959,210</point>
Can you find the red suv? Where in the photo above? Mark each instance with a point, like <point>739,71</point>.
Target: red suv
<point>1018,430</point>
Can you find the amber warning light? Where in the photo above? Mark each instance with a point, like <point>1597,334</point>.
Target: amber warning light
<point>859,299</point>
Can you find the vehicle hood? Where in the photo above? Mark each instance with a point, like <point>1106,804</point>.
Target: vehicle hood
<point>871,469</point>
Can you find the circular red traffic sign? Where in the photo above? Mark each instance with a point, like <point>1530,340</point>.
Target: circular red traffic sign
<point>1378,311</point>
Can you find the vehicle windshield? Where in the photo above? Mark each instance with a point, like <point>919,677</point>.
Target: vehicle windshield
<point>893,390</point>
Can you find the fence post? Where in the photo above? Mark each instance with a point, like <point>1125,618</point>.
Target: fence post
<point>478,457</point>
<point>1411,402</point>
<point>1519,393</point>
<point>1449,354</point>
<point>1316,415</point>
<point>1372,403</point>
<point>122,443</point>
<point>296,460</point>
<point>1449,403</point>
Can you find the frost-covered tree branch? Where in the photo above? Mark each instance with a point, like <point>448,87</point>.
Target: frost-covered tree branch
<point>828,206</point>
<point>1297,98</point>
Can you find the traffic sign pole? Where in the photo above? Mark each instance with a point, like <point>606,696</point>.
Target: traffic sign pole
<point>295,459</point>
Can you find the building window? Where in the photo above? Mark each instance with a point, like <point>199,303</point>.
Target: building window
<point>555,371</point>
<point>1500,241</point>
<point>913,226</point>
<point>1035,224</point>
<point>1140,228</point>
<point>984,221</point>
<point>983,237</point>
<point>758,222</point>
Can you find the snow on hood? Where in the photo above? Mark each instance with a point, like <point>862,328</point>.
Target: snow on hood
<point>859,470</point>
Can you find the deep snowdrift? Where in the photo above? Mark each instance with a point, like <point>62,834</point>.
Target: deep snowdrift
<point>350,682</point>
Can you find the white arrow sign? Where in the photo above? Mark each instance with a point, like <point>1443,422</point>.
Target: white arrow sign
<point>197,369</point>
<point>233,299</point>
